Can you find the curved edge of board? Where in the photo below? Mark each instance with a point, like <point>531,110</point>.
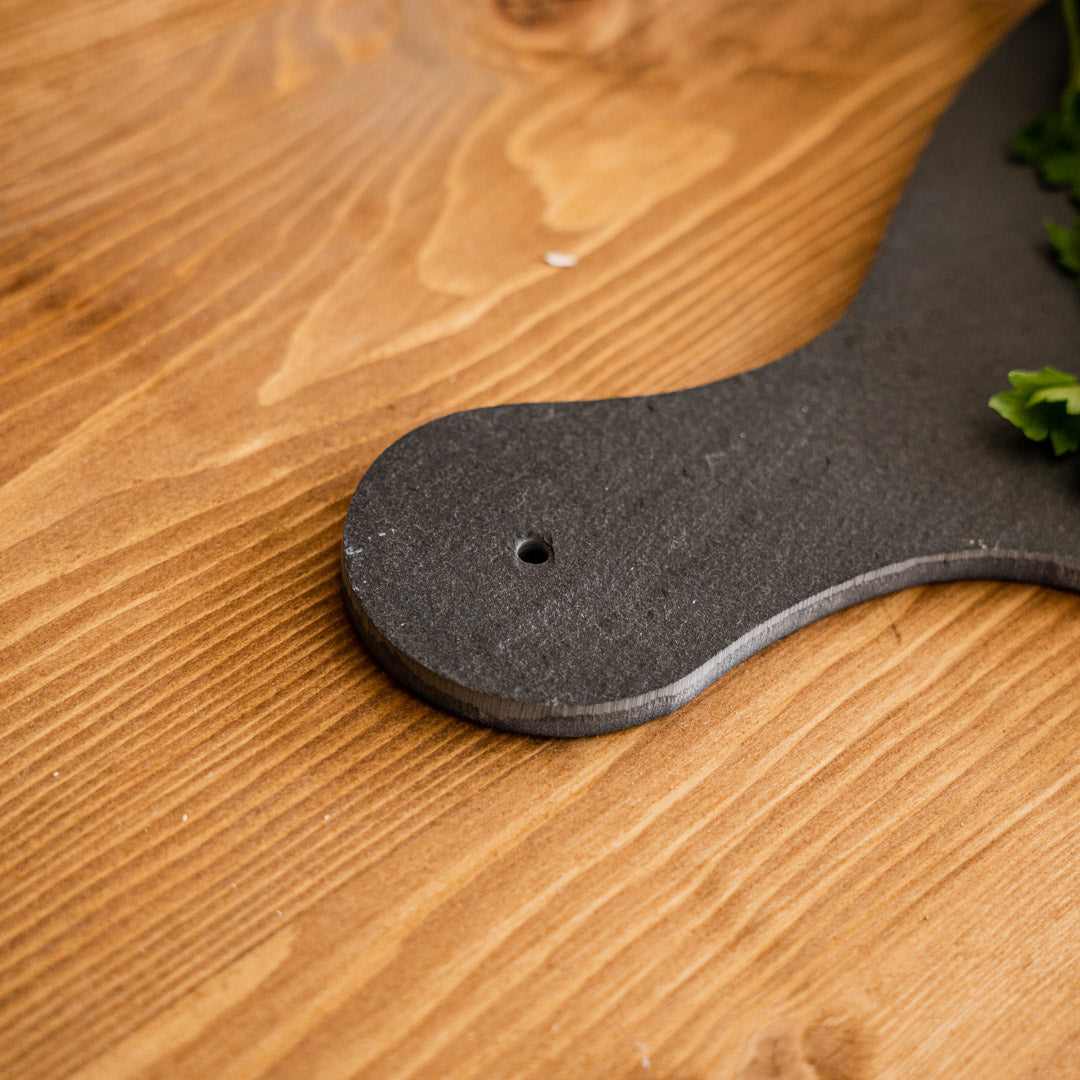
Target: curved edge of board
<point>605,717</point>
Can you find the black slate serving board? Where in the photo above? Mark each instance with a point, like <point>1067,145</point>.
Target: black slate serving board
<point>576,568</point>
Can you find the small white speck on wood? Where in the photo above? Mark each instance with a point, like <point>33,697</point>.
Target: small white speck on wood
<point>561,260</point>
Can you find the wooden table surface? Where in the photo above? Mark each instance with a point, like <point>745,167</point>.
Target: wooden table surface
<point>245,245</point>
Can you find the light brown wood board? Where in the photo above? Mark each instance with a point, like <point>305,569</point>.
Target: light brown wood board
<point>243,247</point>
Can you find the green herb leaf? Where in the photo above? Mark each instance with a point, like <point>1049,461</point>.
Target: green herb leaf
<point>1062,170</point>
<point>1043,404</point>
<point>1052,144</point>
<point>1046,404</point>
<point>1066,244</point>
<point>1069,396</point>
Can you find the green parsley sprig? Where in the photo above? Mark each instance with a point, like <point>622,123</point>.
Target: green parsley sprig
<point>1051,142</point>
<point>1043,404</point>
<point>1066,244</point>
<point>1046,404</point>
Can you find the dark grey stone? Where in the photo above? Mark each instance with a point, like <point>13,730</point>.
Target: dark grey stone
<point>673,536</point>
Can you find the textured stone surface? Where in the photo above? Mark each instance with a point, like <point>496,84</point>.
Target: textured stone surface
<point>689,530</point>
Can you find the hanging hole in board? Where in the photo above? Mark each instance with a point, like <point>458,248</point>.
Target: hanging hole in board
<point>534,550</point>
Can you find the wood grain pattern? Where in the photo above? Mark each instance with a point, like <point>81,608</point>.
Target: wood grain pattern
<point>245,245</point>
